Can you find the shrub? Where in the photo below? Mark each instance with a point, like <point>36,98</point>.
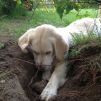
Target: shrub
<point>15,7</point>
<point>7,6</point>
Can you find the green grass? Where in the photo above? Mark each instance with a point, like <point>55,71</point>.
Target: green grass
<point>15,26</point>
<point>80,39</point>
<point>74,15</point>
<point>83,41</point>
<point>2,45</point>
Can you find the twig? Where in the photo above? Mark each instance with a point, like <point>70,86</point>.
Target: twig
<point>24,61</point>
<point>73,93</point>
<point>33,77</point>
<point>75,59</point>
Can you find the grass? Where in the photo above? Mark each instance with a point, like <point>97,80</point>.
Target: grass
<point>15,26</point>
<point>84,41</point>
<point>2,45</point>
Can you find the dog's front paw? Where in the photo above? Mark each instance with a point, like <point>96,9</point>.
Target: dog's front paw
<point>48,93</point>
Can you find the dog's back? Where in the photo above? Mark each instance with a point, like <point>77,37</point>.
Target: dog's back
<point>85,26</point>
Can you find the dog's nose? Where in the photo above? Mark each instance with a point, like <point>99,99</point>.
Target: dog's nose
<point>40,67</point>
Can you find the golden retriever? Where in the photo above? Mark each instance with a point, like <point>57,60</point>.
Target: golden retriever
<point>48,45</point>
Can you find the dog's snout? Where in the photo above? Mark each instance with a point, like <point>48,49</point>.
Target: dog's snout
<point>40,67</point>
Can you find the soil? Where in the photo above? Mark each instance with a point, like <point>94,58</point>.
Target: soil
<point>20,81</point>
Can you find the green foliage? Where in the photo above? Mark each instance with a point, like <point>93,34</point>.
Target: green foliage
<point>15,7</point>
<point>73,52</point>
<point>7,6</point>
<point>80,39</point>
<point>19,11</point>
<point>20,7</point>
<point>65,6</point>
<point>2,45</point>
<point>82,43</point>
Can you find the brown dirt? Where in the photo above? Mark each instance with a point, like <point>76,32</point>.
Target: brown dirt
<point>17,70</point>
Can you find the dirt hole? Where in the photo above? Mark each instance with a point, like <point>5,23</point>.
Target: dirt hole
<point>17,69</point>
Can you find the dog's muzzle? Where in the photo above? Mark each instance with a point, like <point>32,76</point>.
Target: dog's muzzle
<point>43,67</point>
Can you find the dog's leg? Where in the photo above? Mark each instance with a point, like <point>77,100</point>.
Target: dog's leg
<point>57,79</point>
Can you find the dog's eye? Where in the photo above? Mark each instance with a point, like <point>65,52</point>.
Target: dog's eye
<point>47,53</point>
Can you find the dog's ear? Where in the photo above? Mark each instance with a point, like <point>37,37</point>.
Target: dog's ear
<point>60,47</point>
<point>25,40</point>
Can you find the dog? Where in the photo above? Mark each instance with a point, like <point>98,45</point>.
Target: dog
<point>49,44</point>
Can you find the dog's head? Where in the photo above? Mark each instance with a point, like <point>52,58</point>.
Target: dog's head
<point>45,44</point>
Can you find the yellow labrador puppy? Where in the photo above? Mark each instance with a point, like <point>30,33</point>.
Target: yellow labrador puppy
<point>48,45</point>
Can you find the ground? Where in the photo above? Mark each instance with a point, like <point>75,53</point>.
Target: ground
<point>20,81</point>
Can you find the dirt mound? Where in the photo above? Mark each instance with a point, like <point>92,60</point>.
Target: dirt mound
<point>17,70</point>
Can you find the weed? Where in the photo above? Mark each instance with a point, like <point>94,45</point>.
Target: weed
<point>2,45</point>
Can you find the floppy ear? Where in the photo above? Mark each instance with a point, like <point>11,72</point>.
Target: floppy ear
<point>60,47</point>
<point>25,40</point>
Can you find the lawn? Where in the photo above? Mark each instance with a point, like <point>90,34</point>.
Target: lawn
<point>17,71</point>
<point>16,25</point>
